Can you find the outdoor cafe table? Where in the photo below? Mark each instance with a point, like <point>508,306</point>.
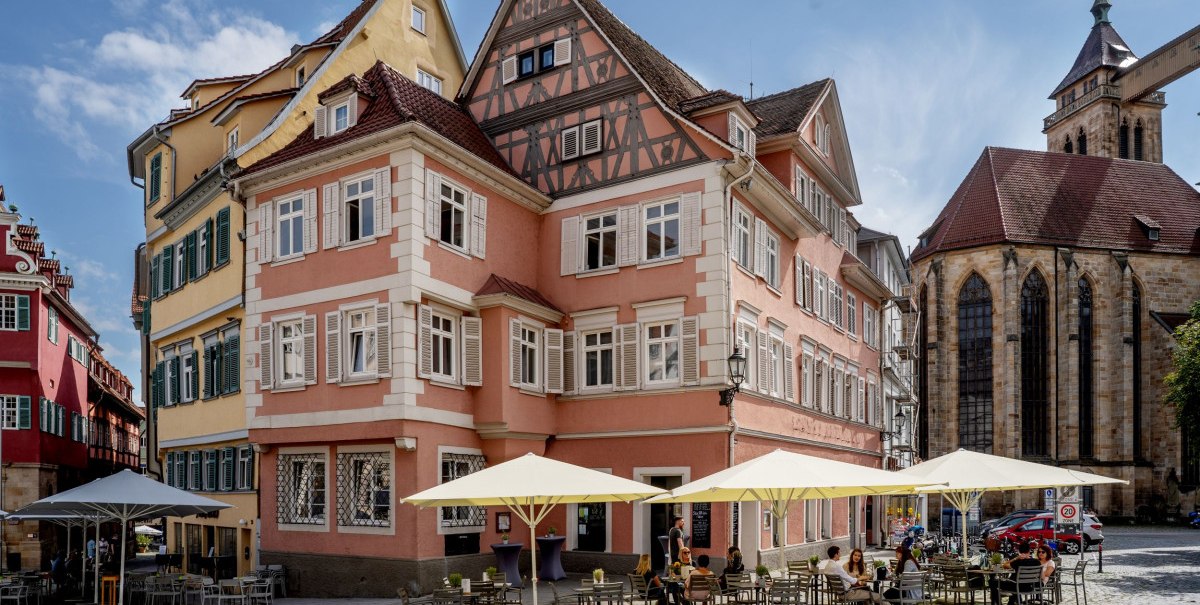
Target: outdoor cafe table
<point>550,551</point>
<point>506,561</point>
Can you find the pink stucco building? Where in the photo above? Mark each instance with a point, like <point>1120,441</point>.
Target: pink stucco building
<point>561,262</point>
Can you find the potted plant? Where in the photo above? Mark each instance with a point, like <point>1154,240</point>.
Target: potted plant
<point>917,553</point>
<point>997,559</point>
<point>489,573</point>
<point>812,562</point>
<point>455,580</point>
<point>880,570</point>
<point>598,575</point>
<point>763,573</point>
<point>676,568</point>
<point>504,538</point>
<point>552,531</point>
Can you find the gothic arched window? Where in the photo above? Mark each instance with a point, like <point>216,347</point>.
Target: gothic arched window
<point>1138,133</point>
<point>975,365</point>
<point>1081,142</point>
<point>1068,147</point>
<point>1035,409</point>
<point>1123,140</point>
<point>1137,372</point>
<point>1086,390</point>
<point>923,374</point>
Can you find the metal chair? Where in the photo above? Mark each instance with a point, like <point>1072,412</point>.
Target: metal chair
<point>1025,587</point>
<point>912,589</point>
<point>447,596</point>
<point>260,593</point>
<point>279,578</point>
<point>18,594</point>
<point>231,591</point>
<point>786,591</point>
<point>1075,579</point>
<point>955,585</point>
<point>639,590</point>
<point>739,589</point>
<point>608,593</point>
<point>160,589</point>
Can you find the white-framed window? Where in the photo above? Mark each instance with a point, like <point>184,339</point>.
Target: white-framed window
<point>598,359</point>
<point>740,135</point>
<point>245,468</point>
<point>812,519</point>
<point>581,140</point>
<point>8,312</point>
<point>771,271</point>
<point>600,241</point>
<point>820,387</point>
<point>360,343</point>
<point>661,230</point>
<point>443,338</point>
<point>807,375</point>
<point>453,208</point>
<point>428,80</point>
<point>851,388</point>
<point>171,376</point>
<point>662,352</point>
<point>52,324</point>
<point>300,76</point>
<point>819,298</point>
<point>418,19</point>
<point>835,393</point>
<point>10,412</point>
<point>210,470</point>
<point>743,239</point>
<point>851,315</point>
<point>195,475</point>
<point>187,374</point>
<point>179,278</point>
<point>302,485</point>
<point>826,519</point>
<point>231,141</point>
<point>203,260</point>
<point>530,357</point>
<point>746,343</point>
<point>870,317</point>
<point>777,360</point>
<point>341,117</point>
<point>290,353</point>
<point>289,228</point>
<point>358,209</point>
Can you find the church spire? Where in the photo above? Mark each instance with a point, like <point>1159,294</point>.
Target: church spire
<point>1100,11</point>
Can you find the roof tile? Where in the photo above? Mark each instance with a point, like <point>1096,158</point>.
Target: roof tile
<point>500,285</point>
<point>783,112</point>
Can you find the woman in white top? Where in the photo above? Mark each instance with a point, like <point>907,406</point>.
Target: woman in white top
<point>1046,558</point>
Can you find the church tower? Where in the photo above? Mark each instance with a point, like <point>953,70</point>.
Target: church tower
<point>1093,117</point>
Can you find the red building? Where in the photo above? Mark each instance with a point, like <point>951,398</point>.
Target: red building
<point>58,394</point>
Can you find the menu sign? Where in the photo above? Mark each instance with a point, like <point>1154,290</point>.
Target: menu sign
<point>701,525</point>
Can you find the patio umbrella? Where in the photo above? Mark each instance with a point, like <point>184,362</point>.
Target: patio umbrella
<point>146,530</point>
<point>523,484</point>
<point>123,497</point>
<point>963,477</point>
<point>69,521</point>
<point>782,477</point>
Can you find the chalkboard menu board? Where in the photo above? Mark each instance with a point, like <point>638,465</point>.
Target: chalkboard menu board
<point>702,525</point>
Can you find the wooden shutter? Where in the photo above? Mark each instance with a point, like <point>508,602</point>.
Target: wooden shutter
<point>383,340</point>
<point>514,352</point>
<point>173,385</point>
<point>591,137</point>
<point>383,201</point>
<point>209,231</point>
<point>760,247</point>
<point>629,235</point>
<point>222,252</point>
<point>352,111</point>
<point>320,121</point>
<point>569,143</point>
<point>157,397</point>
<point>478,225</point>
<point>733,121</point>
<point>808,287</point>
<point>208,373</point>
<point>310,221</point>
<point>331,217</point>
<point>554,360</point>
<point>24,414</point>
<point>333,347</point>
<point>168,268</point>
<point>689,329</point>
<point>232,364</point>
<point>43,413</point>
<point>266,231</point>
<point>189,258</point>
<point>22,312</point>
<point>155,280</point>
<point>472,330</point>
<point>195,374</point>
<point>308,326</point>
<point>170,469</point>
<point>569,364</point>
<point>689,225</point>
<point>799,276</point>
<point>266,333</point>
<point>625,349</point>
<point>764,363</point>
<point>569,252</point>
<point>424,341</point>
<point>789,371</point>
<point>433,205</point>
<point>562,51</point>
<point>508,69</point>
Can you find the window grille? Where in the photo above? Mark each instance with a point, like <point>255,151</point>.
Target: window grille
<point>301,495</point>
<point>364,483</point>
<point>455,466</point>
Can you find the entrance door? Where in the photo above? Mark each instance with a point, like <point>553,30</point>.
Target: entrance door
<point>592,526</point>
<point>660,517</point>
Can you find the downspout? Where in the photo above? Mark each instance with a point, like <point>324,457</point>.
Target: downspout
<point>727,220</point>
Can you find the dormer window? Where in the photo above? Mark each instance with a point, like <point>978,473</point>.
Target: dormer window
<point>195,102</point>
<point>740,135</point>
<point>341,118</point>
<point>1149,226</point>
<point>300,76</point>
<point>232,141</point>
<point>335,116</point>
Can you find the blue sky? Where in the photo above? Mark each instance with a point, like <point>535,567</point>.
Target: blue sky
<point>924,87</point>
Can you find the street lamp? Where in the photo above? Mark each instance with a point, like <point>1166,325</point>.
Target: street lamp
<point>737,373</point>
<point>897,423</point>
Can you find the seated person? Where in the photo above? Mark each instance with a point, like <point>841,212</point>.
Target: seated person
<point>695,588</point>
<point>1023,559</point>
<point>853,588</point>
<point>733,564</point>
<point>685,563</point>
<point>654,586</point>
<point>857,566</point>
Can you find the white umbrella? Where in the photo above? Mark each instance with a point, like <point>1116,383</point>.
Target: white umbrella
<point>782,477</point>
<point>523,484</point>
<point>123,497</point>
<point>965,476</point>
<point>70,520</point>
<point>146,530</point>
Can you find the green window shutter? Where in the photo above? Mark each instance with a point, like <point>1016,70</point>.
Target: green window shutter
<point>210,469</point>
<point>146,317</point>
<point>22,312</point>
<point>24,414</point>
<point>62,421</point>
<point>168,267</point>
<point>174,377</point>
<point>170,464</point>
<point>232,365</point>
<point>222,236</point>
<point>155,276</point>
<point>208,246</point>
<point>189,257</point>
<point>42,413</point>
<point>154,183</point>
<point>218,369</point>
<point>195,373</point>
<point>227,463</point>
<point>158,396</point>
<point>208,372</point>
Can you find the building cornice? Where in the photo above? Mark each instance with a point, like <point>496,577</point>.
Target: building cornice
<point>196,196</point>
<point>521,305</point>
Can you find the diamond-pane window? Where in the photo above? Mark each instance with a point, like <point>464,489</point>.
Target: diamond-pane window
<point>455,466</point>
<point>364,485</point>
<point>301,496</point>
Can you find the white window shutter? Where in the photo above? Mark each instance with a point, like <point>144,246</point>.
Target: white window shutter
<point>760,247</point>
<point>562,51</point>
<point>799,282</point>
<point>472,329</point>
<point>308,326</point>
<point>629,235</point>
<point>320,122</point>
<point>310,221</point>
<point>508,70</point>
<point>569,143</point>
<point>332,223</point>
<point>808,286</point>
<point>514,353</point>
<point>733,129</point>
<point>383,340</point>
<point>752,142</point>
<point>265,344</point>
<point>433,206</point>
<point>333,346</point>
<point>266,231</point>
<point>478,225</point>
<point>569,367</point>
<point>424,341</point>
<point>689,331</point>
<point>591,137</point>
<point>789,371</point>
<point>383,201</point>
<point>569,253</point>
<point>626,357</point>
<point>689,225</point>
<point>352,111</point>
<point>554,360</point>
<point>764,363</point>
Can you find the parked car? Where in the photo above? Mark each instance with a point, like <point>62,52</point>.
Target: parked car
<point>1017,515</point>
<point>1041,528</point>
<point>1092,531</point>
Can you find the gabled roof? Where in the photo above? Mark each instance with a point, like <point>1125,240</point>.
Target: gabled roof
<point>1059,199</point>
<point>238,102</point>
<point>500,285</point>
<point>394,100</point>
<point>706,100</point>
<point>1103,48</point>
<point>783,112</point>
<point>210,81</point>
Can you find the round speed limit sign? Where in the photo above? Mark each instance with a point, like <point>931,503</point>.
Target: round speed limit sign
<point>1068,513</point>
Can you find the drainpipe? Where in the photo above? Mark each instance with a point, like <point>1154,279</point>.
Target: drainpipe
<point>727,254</point>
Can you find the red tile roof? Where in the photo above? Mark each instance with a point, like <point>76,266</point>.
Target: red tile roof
<point>1059,199</point>
<point>782,112</point>
<point>500,285</point>
<point>394,100</point>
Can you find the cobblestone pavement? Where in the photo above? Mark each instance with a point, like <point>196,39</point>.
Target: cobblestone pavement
<point>1144,565</point>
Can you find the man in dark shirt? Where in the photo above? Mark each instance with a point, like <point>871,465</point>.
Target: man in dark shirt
<point>675,538</point>
<point>1021,560</point>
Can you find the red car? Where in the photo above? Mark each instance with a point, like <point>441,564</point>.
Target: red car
<point>1040,528</point>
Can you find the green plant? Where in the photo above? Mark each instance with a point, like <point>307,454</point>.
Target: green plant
<point>143,541</point>
<point>553,530</point>
<point>879,564</point>
<point>504,537</point>
<point>455,580</point>
<point>762,571</point>
<point>997,558</point>
<point>491,571</point>
<point>598,575</point>
<point>814,559</point>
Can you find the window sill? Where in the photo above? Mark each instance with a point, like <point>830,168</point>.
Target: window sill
<point>597,272</point>
<point>362,243</point>
<point>449,384</point>
<point>655,386</point>
<point>659,263</point>
<point>528,390</point>
<point>287,261</point>
<point>745,270</point>
<point>773,290</point>
<point>453,249</point>
<point>353,382</point>
<point>289,388</point>
<point>304,527</point>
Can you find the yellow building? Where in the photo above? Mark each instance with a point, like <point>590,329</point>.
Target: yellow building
<point>189,295</point>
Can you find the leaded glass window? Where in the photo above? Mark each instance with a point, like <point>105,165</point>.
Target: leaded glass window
<point>1086,390</point>
<point>1035,407</point>
<point>975,365</point>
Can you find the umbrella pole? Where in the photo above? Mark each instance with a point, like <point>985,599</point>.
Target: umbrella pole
<point>121,579</point>
<point>83,563</point>
<point>96,567</point>
<point>533,553</point>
